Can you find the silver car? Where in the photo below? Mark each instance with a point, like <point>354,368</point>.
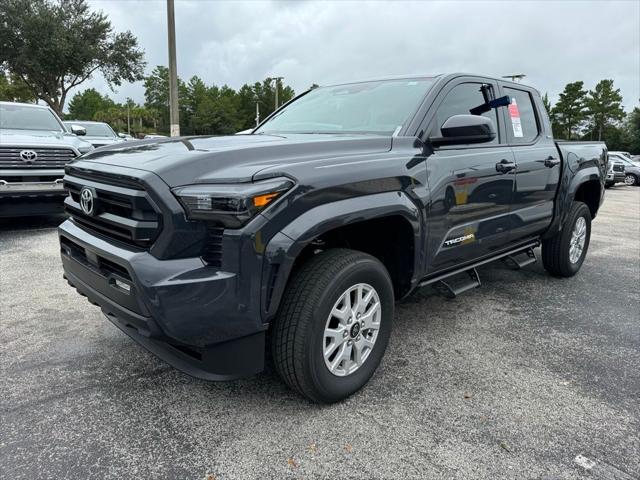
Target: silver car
<point>34,148</point>
<point>98,134</point>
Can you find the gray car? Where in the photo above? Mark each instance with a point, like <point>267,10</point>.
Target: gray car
<point>98,134</point>
<point>631,168</point>
<point>34,149</point>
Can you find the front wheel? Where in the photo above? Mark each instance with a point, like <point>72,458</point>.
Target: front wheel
<point>564,253</point>
<point>630,179</point>
<point>333,324</point>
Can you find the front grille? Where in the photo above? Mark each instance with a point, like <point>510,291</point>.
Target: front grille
<point>212,254</point>
<point>46,157</point>
<point>120,212</point>
<point>618,167</point>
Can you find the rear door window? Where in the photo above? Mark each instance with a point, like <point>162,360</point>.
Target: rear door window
<point>522,120</point>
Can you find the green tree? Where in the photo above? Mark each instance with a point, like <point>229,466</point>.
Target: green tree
<point>156,96</point>
<point>265,94</point>
<point>55,45</point>
<point>604,106</point>
<point>570,110</point>
<point>210,109</point>
<point>85,105</point>
<point>116,116</point>
<point>13,89</point>
<point>632,131</point>
<point>547,103</point>
<point>246,108</point>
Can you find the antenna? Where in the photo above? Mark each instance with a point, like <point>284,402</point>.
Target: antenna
<point>516,77</point>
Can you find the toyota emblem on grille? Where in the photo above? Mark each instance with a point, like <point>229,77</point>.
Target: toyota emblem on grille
<point>28,156</point>
<point>87,201</point>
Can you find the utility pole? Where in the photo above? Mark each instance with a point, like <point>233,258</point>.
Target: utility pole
<point>128,118</point>
<point>277,80</point>
<point>174,118</point>
<point>257,113</point>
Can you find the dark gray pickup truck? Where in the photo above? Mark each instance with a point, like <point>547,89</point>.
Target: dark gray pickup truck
<point>292,243</point>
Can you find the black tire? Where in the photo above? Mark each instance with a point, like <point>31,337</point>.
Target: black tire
<point>555,250</point>
<point>608,184</point>
<point>297,336</point>
<point>632,176</point>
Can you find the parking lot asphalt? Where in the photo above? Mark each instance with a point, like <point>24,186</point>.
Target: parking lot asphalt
<point>527,377</point>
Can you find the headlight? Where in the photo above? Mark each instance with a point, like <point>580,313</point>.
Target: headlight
<point>232,205</point>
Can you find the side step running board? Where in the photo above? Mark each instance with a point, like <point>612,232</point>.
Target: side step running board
<point>453,283</point>
<point>519,261</point>
<point>454,286</point>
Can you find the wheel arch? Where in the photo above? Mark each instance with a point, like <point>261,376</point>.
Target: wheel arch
<point>587,185</point>
<point>331,221</point>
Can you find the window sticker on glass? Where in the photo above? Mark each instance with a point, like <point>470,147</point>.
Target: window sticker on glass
<point>514,113</point>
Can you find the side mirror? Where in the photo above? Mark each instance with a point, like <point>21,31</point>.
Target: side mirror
<point>464,129</point>
<point>78,130</point>
<point>122,135</point>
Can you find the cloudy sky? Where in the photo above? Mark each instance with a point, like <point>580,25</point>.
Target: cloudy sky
<point>307,42</point>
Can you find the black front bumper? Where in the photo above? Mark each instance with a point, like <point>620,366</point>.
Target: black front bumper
<point>182,311</point>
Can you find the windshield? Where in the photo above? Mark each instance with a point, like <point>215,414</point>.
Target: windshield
<point>94,129</point>
<point>22,117</point>
<point>372,107</point>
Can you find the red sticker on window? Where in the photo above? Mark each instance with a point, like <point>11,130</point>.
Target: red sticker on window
<point>513,109</point>
<point>514,113</point>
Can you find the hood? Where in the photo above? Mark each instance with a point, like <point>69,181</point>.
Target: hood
<point>229,159</point>
<point>42,138</point>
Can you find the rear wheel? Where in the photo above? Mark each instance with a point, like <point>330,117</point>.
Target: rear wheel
<point>630,179</point>
<point>333,324</point>
<point>563,254</point>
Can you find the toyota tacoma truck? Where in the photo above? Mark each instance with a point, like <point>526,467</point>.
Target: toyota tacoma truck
<point>292,243</point>
<point>34,149</point>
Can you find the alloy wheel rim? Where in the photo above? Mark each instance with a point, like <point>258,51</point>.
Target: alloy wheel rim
<point>351,329</point>
<point>629,180</point>
<point>578,239</point>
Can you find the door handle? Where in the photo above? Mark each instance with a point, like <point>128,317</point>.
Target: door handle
<point>505,166</point>
<point>551,162</point>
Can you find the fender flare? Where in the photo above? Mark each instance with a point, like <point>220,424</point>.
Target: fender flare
<point>284,247</point>
<point>567,192</point>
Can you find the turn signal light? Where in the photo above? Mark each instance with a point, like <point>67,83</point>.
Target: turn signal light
<point>263,200</point>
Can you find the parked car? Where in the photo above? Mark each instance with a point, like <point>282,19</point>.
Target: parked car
<point>98,134</point>
<point>615,172</point>
<point>154,135</point>
<point>126,137</point>
<point>299,237</point>
<point>622,154</point>
<point>631,169</point>
<point>34,148</point>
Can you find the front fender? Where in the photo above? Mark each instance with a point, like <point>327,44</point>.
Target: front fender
<point>285,246</point>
